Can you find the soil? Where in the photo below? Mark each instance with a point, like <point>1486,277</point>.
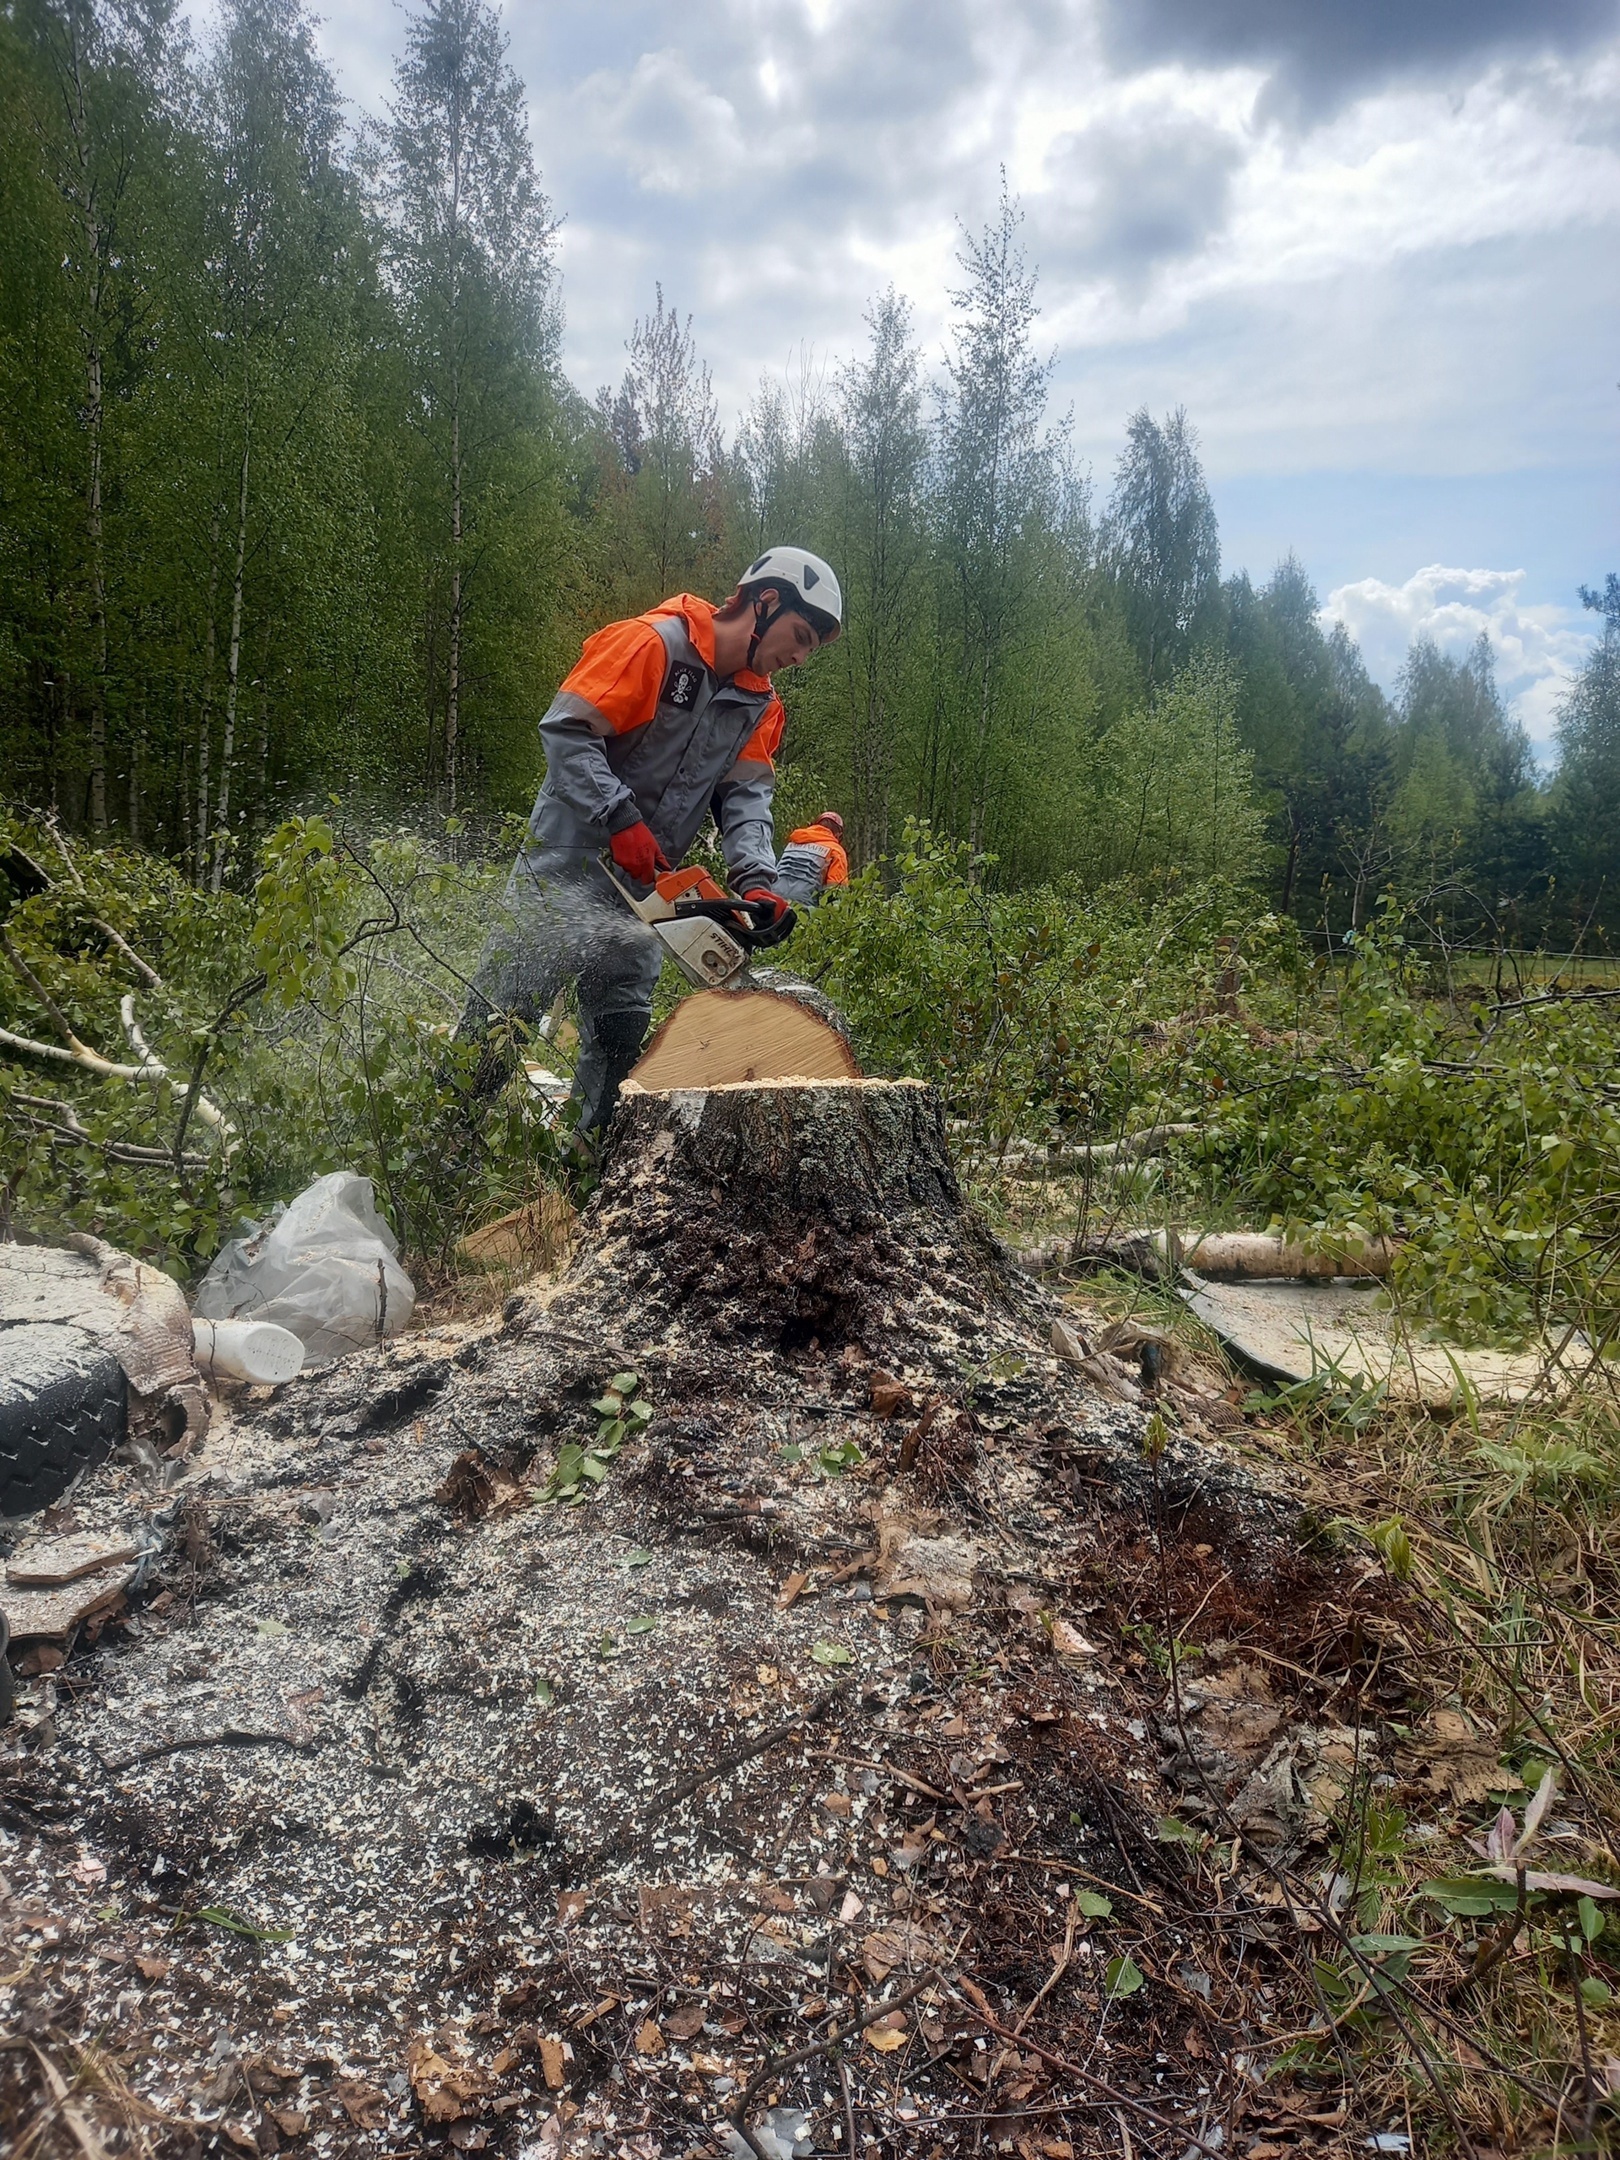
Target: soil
<point>410,1802</point>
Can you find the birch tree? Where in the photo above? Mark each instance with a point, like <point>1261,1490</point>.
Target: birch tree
<point>995,486</point>
<point>1162,543</point>
<point>884,561</point>
<point>472,242</point>
<point>273,120</point>
<point>99,62</point>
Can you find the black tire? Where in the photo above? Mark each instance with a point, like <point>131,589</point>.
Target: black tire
<point>62,1410</point>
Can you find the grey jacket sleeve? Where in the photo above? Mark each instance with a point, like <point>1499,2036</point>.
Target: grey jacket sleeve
<point>577,767</point>
<point>742,810</point>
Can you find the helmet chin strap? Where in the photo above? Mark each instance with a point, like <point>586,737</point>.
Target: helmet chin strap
<point>764,617</point>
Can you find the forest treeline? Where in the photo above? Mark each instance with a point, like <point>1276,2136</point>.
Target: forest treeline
<point>295,497</point>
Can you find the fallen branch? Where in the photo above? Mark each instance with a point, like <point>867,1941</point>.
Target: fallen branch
<point>1248,1255</point>
<point>230,1737</point>
<point>79,1054</point>
<point>65,1126</point>
<point>1152,1140</point>
<point>1095,1155</point>
<point>1221,1255</point>
<point>154,1068</point>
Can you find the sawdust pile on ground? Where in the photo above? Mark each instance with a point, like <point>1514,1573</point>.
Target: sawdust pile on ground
<point>405,1807</point>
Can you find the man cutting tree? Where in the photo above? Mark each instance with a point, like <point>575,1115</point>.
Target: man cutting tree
<point>664,720</point>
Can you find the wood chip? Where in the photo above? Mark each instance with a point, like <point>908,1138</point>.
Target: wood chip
<point>49,1562</point>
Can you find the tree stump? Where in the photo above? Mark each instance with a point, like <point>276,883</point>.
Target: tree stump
<point>786,1215</point>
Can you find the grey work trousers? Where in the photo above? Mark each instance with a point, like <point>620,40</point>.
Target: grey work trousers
<point>560,921</point>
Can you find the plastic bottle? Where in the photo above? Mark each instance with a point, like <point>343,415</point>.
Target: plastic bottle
<point>255,1350</point>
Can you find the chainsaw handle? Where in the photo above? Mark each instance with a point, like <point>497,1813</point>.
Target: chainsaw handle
<point>763,926</point>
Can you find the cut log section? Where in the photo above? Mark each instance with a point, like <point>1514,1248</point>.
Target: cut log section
<point>720,1038</point>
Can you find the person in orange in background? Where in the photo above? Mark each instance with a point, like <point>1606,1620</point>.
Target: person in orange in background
<point>665,720</point>
<point>813,861</point>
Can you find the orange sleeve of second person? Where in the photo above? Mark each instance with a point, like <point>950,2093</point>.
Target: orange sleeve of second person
<point>620,672</point>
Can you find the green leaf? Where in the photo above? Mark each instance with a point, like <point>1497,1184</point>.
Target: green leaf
<point>1597,1992</point>
<point>831,1653</point>
<point>607,1406</point>
<point>1171,1830</point>
<point>625,1383</point>
<point>834,1461</point>
<point>1093,1904</point>
<point>642,1626</point>
<point>544,1694</point>
<point>221,1916</point>
<point>1468,1896</point>
<point>271,1627</point>
<point>641,1557</point>
<point>1590,1918</point>
<point>638,1413</point>
<point>593,1468</point>
<point>564,1479</point>
<point>1123,1977</point>
<point>610,1437</point>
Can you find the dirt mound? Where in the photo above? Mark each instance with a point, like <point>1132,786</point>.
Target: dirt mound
<point>491,1761</point>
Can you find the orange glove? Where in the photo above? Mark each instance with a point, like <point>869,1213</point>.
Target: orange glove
<point>636,851</point>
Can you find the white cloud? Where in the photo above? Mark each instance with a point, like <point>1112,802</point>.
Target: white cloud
<point>672,131</point>
<point>1538,646</point>
<point>1412,277</point>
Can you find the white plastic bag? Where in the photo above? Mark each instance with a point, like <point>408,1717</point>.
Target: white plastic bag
<point>323,1267</point>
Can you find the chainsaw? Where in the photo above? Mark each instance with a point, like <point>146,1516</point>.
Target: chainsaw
<point>708,934</point>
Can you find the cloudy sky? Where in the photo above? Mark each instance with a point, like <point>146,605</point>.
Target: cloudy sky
<point>1371,245</point>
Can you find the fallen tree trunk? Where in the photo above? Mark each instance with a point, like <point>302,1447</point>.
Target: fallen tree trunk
<point>1220,1255</point>
<point>1252,1255</point>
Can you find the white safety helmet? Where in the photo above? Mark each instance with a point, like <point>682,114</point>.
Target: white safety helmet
<point>807,586</point>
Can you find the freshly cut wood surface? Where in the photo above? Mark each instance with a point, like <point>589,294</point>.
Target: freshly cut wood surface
<point>717,1038</point>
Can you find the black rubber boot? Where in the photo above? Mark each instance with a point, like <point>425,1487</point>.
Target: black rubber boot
<point>610,1043</point>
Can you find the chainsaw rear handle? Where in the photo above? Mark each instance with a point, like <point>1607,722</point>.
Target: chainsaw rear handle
<point>763,927</point>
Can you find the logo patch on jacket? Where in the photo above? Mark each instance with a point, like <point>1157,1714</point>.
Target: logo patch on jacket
<point>682,688</point>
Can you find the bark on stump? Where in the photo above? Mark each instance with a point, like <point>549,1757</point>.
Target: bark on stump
<point>789,1214</point>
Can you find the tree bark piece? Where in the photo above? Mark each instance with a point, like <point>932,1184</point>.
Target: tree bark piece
<point>721,1038</point>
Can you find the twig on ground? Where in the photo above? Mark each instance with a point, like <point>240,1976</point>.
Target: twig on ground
<point>1115,2098</point>
<point>845,2021</point>
<point>230,1737</point>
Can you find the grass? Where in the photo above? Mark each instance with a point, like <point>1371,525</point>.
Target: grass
<point>1494,2028</point>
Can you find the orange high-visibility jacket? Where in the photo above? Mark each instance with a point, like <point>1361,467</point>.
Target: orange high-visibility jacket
<point>643,729</point>
<point>813,859</point>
